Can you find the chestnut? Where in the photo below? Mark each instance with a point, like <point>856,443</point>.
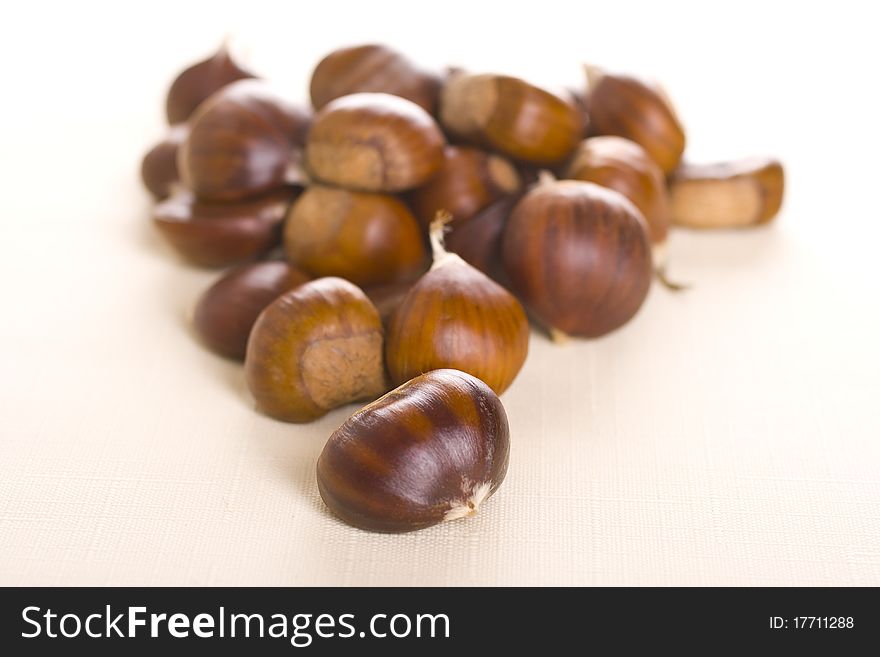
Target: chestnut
<point>638,110</point>
<point>478,240</point>
<point>456,316</point>
<point>197,82</point>
<point>374,142</point>
<point>511,116</point>
<point>624,166</point>
<point>314,348</point>
<point>226,311</point>
<point>159,166</point>
<point>735,194</point>
<point>222,234</point>
<point>372,68</point>
<point>242,142</point>
<point>578,256</point>
<point>369,239</point>
<point>469,180</point>
<point>432,450</point>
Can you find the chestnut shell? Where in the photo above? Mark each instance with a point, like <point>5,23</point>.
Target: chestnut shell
<point>159,166</point>
<point>314,348</point>
<point>242,142</point>
<point>637,110</point>
<point>469,180</point>
<point>511,116</point>
<point>387,298</point>
<point>195,83</point>
<point>733,194</point>
<point>372,68</point>
<point>431,450</point>
<point>478,240</point>
<point>374,142</point>
<point>222,234</point>
<point>226,311</point>
<point>369,239</point>
<point>624,166</point>
<point>578,256</point>
<point>456,316</point>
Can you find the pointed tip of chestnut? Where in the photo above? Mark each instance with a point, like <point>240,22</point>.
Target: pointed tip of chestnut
<point>432,450</point>
<point>456,316</point>
<point>198,81</point>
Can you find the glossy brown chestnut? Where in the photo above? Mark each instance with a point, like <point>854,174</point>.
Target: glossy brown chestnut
<point>369,239</point>
<point>469,180</point>
<point>222,234</point>
<point>432,450</point>
<point>636,110</point>
<point>314,348</point>
<point>511,116</point>
<point>373,68</point>
<point>745,192</point>
<point>159,166</point>
<point>242,142</point>
<point>478,240</point>
<point>199,81</point>
<point>226,311</point>
<point>456,316</point>
<point>624,166</point>
<point>374,142</point>
<point>578,256</point>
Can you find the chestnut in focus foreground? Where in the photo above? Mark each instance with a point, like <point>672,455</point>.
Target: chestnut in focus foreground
<point>432,450</point>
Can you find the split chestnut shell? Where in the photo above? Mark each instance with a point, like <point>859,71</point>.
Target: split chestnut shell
<point>431,450</point>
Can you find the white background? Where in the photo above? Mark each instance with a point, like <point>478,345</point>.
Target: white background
<point>729,435</point>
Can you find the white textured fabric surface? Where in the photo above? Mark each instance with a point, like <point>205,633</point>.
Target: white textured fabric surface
<point>728,435</point>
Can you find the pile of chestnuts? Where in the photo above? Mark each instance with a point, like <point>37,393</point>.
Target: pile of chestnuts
<point>390,241</point>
